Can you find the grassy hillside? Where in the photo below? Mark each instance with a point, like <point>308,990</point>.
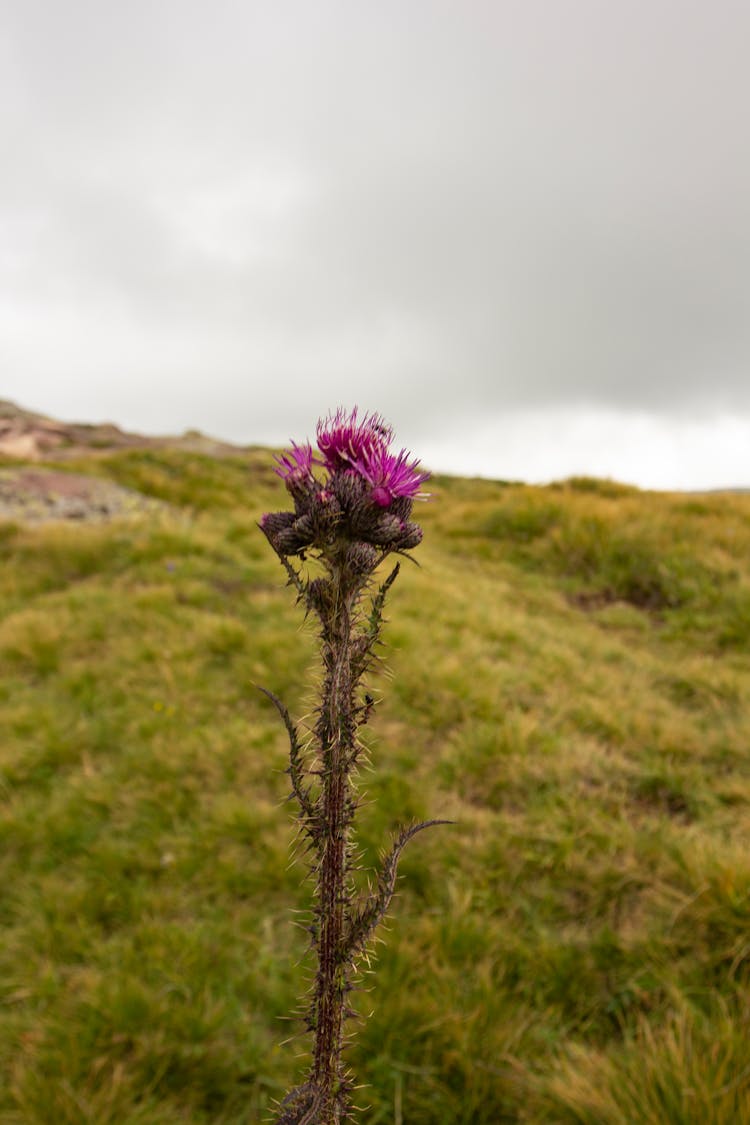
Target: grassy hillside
<point>569,673</point>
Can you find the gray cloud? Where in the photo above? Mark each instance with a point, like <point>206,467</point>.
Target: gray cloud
<point>438,210</point>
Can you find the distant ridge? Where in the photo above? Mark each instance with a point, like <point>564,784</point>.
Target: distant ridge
<point>714,491</point>
<point>26,435</point>
<point>29,436</point>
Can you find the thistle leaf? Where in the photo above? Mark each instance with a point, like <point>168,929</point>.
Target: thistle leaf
<point>300,1106</point>
<point>366,919</point>
<point>375,619</point>
<point>296,769</point>
<point>369,636</point>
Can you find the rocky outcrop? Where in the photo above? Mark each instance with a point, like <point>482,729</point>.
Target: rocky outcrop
<point>26,436</point>
<point>38,495</point>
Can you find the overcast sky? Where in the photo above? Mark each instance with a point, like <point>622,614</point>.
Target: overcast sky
<point>520,229</point>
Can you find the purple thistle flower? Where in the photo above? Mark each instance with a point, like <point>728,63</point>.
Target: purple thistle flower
<point>344,440</point>
<point>366,494</point>
<point>296,464</point>
<point>391,475</point>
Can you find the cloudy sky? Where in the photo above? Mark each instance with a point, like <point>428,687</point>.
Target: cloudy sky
<point>520,229</point>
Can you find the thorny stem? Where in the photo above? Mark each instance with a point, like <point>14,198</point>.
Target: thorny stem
<point>343,928</point>
<point>337,729</point>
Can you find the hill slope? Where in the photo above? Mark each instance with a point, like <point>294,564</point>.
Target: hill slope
<point>570,678</point>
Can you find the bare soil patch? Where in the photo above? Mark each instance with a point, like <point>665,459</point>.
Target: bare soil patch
<point>38,495</point>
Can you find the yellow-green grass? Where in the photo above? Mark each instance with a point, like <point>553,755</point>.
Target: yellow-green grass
<point>568,677</point>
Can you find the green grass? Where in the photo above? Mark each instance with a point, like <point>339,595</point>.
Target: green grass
<point>569,678</point>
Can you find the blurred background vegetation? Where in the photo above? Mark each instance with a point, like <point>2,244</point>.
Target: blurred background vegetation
<point>567,677</point>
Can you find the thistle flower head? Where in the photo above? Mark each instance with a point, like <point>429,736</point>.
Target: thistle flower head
<point>391,475</point>
<point>296,464</point>
<point>363,478</point>
<point>344,439</point>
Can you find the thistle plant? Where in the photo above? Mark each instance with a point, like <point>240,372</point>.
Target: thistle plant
<point>352,505</point>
